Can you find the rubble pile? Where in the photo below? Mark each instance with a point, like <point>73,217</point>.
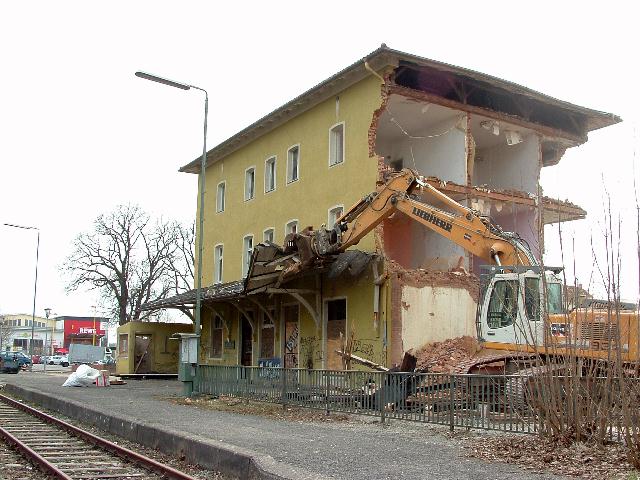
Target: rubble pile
<point>446,356</point>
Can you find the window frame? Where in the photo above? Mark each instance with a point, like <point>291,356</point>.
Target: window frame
<point>224,195</point>
<point>331,209</point>
<point>289,179</point>
<point>123,352</point>
<point>245,260</point>
<point>269,229</point>
<point>273,159</point>
<point>344,155</point>
<point>286,226</point>
<point>218,271</point>
<point>246,171</point>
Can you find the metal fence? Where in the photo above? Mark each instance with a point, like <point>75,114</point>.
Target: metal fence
<point>496,402</point>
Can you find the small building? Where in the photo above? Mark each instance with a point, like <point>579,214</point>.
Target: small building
<point>147,347</point>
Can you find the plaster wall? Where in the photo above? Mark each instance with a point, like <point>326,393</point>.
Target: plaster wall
<point>433,314</point>
<point>320,186</point>
<point>510,167</point>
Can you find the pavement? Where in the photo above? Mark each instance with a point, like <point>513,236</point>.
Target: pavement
<point>358,449</point>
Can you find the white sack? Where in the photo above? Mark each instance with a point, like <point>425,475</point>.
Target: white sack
<point>82,377</point>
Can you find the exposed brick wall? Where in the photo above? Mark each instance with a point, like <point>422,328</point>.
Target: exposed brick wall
<point>396,320</point>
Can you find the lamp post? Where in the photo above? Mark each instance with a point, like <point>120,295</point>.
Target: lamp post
<point>35,287</point>
<point>203,166</point>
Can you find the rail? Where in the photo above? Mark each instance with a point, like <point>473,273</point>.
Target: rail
<point>70,453</point>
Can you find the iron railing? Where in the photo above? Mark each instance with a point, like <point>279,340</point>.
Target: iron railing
<point>496,402</point>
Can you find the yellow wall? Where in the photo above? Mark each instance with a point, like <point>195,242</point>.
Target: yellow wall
<point>319,186</point>
<point>164,350</point>
<point>359,293</point>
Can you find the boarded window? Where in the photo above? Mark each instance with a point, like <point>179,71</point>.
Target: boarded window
<point>216,337</point>
<point>267,338</point>
<point>336,331</point>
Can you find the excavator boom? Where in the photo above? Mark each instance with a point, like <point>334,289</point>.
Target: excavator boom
<point>463,227</point>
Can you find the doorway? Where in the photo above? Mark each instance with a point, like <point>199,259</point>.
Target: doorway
<point>246,342</point>
<point>336,332</point>
<point>143,354</point>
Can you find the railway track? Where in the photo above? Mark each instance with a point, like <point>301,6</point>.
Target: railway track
<point>67,452</point>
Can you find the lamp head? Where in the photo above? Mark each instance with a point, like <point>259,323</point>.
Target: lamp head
<point>165,81</point>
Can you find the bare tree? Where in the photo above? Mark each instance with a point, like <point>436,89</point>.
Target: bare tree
<point>6,331</point>
<point>182,262</point>
<point>130,259</point>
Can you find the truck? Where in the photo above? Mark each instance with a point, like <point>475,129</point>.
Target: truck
<point>79,353</point>
<point>520,314</point>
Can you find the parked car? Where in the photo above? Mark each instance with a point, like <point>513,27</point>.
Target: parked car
<point>9,363</point>
<point>58,360</point>
<point>23,359</point>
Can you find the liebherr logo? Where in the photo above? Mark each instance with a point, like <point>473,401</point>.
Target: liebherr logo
<point>429,217</point>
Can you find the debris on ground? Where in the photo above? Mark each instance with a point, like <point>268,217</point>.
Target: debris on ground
<point>446,356</point>
<point>243,407</point>
<point>582,460</point>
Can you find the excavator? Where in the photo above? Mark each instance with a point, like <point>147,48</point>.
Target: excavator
<point>521,308</point>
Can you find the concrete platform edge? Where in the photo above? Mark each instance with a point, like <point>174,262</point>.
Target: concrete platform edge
<point>227,459</point>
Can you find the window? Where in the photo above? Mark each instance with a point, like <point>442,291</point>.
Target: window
<point>270,175</point>
<point>249,183</point>
<point>123,344</point>
<point>247,251</point>
<point>336,144</point>
<point>269,235</point>
<point>334,214</point>
<point>267,337</point>
<point>220,197</point>
<point>554,298</point>
<point>217,264</point>
<point>291,227</point>
<point>216,337</point>
<point>532,298</point>
<point>293,164</point>
<point>503,305</point>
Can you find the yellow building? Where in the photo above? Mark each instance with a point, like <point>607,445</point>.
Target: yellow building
<point>304,163</point>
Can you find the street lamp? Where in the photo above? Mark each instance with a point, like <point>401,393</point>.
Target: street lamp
<point>203,166</point>
<point>35,287</point>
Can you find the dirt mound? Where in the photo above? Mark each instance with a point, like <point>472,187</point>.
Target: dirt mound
<point>445,357</point>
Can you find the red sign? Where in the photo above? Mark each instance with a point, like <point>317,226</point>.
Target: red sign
<point>82,327</point>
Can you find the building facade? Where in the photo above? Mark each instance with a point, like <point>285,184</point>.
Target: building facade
<point>480,140</point>
<point>82,330</point>
<point>16,331</point>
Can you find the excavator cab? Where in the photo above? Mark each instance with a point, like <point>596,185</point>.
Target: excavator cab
<point>511,299</point>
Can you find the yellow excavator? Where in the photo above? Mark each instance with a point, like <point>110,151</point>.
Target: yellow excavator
<point>521,308</point>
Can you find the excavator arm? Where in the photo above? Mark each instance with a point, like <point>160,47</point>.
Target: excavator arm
<point>460,224</point>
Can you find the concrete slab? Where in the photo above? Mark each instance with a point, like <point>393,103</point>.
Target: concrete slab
<point>254,447</point>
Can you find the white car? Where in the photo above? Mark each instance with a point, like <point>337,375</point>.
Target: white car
<point>58,360</point>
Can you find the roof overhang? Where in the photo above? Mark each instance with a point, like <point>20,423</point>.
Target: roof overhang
<point>584,119</point>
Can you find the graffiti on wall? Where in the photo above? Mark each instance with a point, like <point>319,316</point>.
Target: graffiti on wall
<point>310,351</point>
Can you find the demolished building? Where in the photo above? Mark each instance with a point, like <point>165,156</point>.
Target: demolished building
<point>480,140</point>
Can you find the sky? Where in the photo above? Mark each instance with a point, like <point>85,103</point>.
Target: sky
<point>80,134</point>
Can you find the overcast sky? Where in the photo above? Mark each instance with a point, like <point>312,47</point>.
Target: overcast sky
<point>80,134</point>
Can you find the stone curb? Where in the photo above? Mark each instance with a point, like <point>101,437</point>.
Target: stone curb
<point>227,459</point>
